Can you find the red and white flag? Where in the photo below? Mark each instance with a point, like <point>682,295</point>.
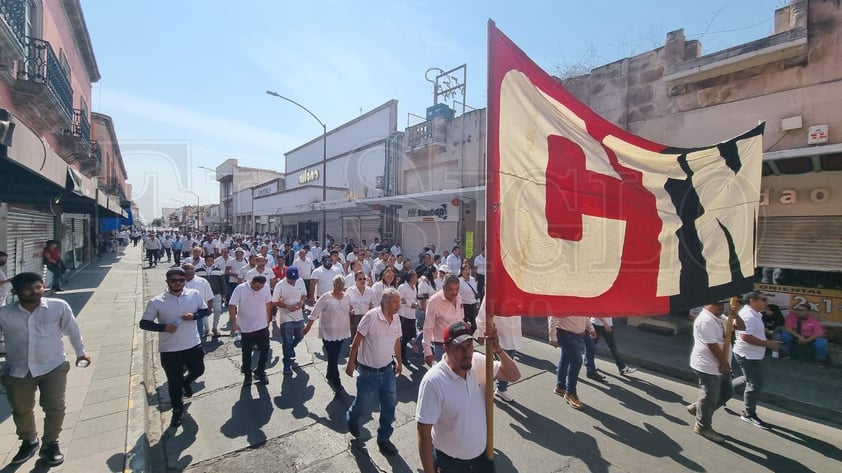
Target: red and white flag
<point>585,218</point>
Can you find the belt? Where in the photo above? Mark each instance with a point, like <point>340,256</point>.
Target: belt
<point>441,344</point>
<point>468,464</point>
<point>375,370</point>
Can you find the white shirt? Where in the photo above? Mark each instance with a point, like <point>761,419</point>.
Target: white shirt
<point>379,338</point>
<point>289,294</point>
<point>509,332</point>
<point>4,289</point>
<point>235,268</point>
<point>207,247</point>
<point>409,296</point>
<point>324,278</point>
<point>479,262</point>
<point>361,302</point>
<point>754,326</point>
<point>334,317</point>
<point>222,262</point>
<point>707,328</point>
<point>305,268</point>
<point>270,260</point>
<point>166,308</point>
<point>202,285</point>
<point>267,273</point>
<point>455,407</point>
<point>396,250</point>
<point>33,340</point>
<point>251,307</point>
<point>378,289</point>
<point>454,263</point>
<point>467,290</point>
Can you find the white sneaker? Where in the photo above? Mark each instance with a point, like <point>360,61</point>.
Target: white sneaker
<point>504,395</point>
<point>627,370</point>
<point>237,337</point>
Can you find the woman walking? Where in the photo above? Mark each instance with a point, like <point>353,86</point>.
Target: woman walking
<point>334,309</point>
<point>468,293</point>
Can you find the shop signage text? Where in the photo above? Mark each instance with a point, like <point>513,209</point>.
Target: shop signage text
<point>428,214</point>
<point>790,196</point>
<point>825,303</point>
<point>308,176</point>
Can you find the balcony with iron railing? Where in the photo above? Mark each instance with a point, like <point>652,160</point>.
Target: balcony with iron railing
<point>113,186</point>
<point>74,144</point>
<point>429,136</point>
<point>92,165</point>
<point>12,30</point>
<point>42,91</point>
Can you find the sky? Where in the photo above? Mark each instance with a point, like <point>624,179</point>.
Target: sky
<point>186,81</point>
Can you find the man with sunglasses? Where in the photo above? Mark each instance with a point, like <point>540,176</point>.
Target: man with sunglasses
<point>173,313</point>
<point>749,350</point>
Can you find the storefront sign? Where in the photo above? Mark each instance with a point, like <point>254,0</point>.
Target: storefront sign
<point>308,176</point>
<point>441,213</point>
<point>826,303</point>
<point>469,245</point>
<point>270,188</point>
<point>801,195</point>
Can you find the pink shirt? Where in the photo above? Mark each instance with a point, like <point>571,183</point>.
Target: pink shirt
<point>809,326</point>
<point>440,313</point>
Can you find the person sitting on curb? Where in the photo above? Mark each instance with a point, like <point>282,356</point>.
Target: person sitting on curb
<point>805,328</point>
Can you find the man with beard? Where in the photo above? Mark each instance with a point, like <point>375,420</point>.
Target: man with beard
<point>36,361</point>
<point>451,403</point>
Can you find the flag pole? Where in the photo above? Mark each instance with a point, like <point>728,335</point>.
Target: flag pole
<point>729,326</point>
<point>489,314</point>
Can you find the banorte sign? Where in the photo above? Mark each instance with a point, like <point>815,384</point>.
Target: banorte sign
<point>308,176</point>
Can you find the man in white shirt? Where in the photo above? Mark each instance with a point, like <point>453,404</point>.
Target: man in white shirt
<point>305,269</point>
<point>321,279</point>
<point>450,412</point>
<point>396,249</point>
<point>289,296</point>
<point>203,286</point>
<point>260,268</point>
<point>250,310</point>
<point>479,268</point>
<point>36,360</point>
<point>454,262</point>
<point>232,268</point>
<point>376,342</point>
<point>173,314</point>
<point>749,350</point>
<point>709,361</point>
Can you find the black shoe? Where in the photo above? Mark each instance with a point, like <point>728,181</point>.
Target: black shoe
<point>597,377</point>
<point>27,451</point>
<point>354,430</point>
<point>246,380</point>
<point>58,289</point>
<point>261,378</point>
<point>387,447</point>
<point>177,414</point>
<point>188,390</point>
<point>51,453</point>
<point>755,421</point>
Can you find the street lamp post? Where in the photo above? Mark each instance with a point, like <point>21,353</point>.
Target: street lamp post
<point>324,159</point>
<point>198,209</point>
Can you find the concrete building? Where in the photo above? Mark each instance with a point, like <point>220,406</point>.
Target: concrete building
<point>48,166</point>
<point>792,80</point>
<point>233,179</point>
<point>323,180</point>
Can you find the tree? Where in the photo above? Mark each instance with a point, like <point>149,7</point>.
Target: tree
<point>157,222</point>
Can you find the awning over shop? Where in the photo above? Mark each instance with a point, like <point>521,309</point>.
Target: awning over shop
<point>427,198</point>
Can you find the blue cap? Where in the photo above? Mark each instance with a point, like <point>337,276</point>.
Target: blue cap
<point>292,273</point>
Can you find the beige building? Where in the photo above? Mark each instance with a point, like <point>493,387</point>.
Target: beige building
<point>792,80</point>
<point>233,179</point>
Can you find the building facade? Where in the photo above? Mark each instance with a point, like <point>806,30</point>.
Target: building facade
<point>233,179</point>
<point>49,168</point>
<point>792,80</point>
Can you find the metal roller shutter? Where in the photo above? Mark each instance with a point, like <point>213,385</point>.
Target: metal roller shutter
<point>73,240</point>
<point>416,235</point>
<point>26,236</point>
<point>369,228</point>
<point>810,243</point>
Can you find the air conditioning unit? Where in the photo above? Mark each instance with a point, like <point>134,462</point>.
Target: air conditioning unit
<point>378,182</point>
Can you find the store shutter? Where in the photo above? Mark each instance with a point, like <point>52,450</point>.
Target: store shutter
<point>27,233</point>
<point>75,227</point>
<point>810,243</point>
<point>369,229</point>
<point>416,235</point>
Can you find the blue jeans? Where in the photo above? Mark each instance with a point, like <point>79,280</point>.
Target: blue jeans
<point>504,385</point>
<point>590,353</point>
<point>371,384</point>
<point>753,381</point>
<point>290,338</point>
<point>819,344</point>
<point>200,327</point>
<point>570,362</point>
<point>438,351</point>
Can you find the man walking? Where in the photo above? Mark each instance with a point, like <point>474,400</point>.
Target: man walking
<point>173,313</point>
<point>204,288</point>
<point>376,342</point>
<point>567,333</point>
<point>443,308</point>
<point>749,350</point>
<point>35,360</point>
<point>212,272</point>
<point>450,413</point>
<point>709,361</point>
<point>289,296</point>
<point>250,310</point>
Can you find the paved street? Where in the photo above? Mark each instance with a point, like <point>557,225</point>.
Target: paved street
<point>634,424</point>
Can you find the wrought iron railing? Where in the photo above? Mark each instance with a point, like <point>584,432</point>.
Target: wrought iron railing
<point>43,67</point>
<point>96,154</point>
<point>80,127</point>
<point>13,12</point>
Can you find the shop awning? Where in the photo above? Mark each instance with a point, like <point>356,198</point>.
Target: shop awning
<point>427,198</point>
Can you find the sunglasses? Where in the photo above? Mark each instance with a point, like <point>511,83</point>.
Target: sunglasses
<point>177,280</point>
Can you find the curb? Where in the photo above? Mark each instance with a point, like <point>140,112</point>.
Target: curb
<point>137,443</point>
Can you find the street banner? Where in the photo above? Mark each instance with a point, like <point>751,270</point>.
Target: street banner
<point>585,218</point>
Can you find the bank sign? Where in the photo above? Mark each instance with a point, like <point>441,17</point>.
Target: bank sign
<point>825,303</point>
<point>436,213</point>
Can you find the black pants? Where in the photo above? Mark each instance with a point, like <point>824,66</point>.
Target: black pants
<point>446,464</point>
<point>481,285</point>
<point>175,363</point>
<point>408,333</point>
<point>609,339</point>
<point>176,255</point>
<point>332,350</point>
<point>259,339</point>
<point>151,256</point>
<point>470,311</point>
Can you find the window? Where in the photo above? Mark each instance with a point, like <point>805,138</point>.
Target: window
<point>65,66</point>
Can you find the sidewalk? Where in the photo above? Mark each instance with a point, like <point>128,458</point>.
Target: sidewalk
<point>104,296</point>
